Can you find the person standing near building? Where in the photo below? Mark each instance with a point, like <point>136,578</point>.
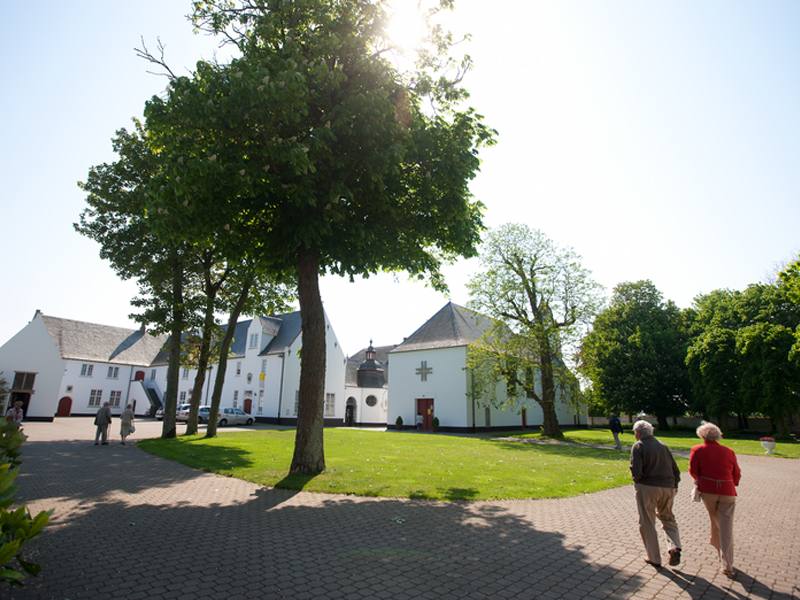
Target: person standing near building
<point>15,413</point>
<point>656,477</point>
<point>103,421</point>
<point>716,473</point>
<point>616,429</point>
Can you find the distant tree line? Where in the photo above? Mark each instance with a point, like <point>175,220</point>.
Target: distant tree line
<point>732,355</point>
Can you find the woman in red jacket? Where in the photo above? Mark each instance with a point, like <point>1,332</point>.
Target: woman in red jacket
<point>717,474</point>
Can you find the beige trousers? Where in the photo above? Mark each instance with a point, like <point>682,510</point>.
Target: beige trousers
<point>656,502</point>
<point>720,509</point>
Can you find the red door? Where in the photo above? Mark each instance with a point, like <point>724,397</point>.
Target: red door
<point>425,407</point>
<point>64,407</point>
<point>248,406</point>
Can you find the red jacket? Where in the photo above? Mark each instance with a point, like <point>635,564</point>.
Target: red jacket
<point>715,469</point>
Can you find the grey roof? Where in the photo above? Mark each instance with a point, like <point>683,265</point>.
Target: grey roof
<point>285,328</point>
<point>288,331</point>
<point>355,361</point>
<point>76,340</point>
<point>453,326</point>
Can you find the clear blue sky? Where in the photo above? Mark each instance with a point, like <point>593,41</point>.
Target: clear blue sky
<point>660,140</point>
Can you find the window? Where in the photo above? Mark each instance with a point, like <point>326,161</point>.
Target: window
<point>260,401</point>
<point>185,373</point>
<point>113,372</point>
<point>183,397</point>
<point>86,370</point>
<point>330,405</point>
<point>115,398</point>
<point>254,340</point>
<point>235,398</point>
<point>153,375</point>
<point>371,400</point>
<point>238,368</point>
<point>95,397</point>
<point>23,381</point>
<point>264,365</point>
<point>296,402</point>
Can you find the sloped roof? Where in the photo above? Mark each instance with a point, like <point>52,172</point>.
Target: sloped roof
<point>288,331</point>
<point>453,326</point>
<point>76,340</point>
<point>355,361</point>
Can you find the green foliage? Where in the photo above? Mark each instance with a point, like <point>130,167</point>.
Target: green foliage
<point>790,278</point>
<point>17,528</point>
<point>741,356</point>
<point>311,151</point>
<point>635,353</point>
<point>538,297</point>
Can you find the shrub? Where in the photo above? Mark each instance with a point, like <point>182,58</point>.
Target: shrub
<point>17,527</point>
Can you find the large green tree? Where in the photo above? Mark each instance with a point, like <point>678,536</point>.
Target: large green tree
<point>540,299</point>
<point>712,357</point>
<point>116,218</point>
<point>315,138</point>
<point>635,353</point>
<point>741,356</point>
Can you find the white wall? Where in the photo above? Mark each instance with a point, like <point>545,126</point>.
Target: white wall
<point>446,384</point>
<point>32,351</point>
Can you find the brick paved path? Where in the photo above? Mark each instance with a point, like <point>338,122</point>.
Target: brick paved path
<point>130,525</point>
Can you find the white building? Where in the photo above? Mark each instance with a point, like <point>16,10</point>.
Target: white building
<point>430,376</point>
<point>263,371</point>
<point>59,367</point>
<point>366,387</point>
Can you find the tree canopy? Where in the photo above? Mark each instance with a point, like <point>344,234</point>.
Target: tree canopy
<point>540,298</point>
<point>741,356</point>
<point>635,353</point>
<point>313,146</point>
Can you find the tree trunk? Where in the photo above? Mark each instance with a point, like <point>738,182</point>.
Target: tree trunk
<point>550,426</point>
<point>169,429</point>
<point>202,366</point>
<point>216,396</point>
<point>309,452</point>
<point>663,424</point>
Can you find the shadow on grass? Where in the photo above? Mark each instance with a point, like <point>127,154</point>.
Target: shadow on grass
<point>296,481</point>
<point>446,494</point>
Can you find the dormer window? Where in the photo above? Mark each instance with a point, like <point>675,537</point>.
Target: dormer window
<point>254,340</point>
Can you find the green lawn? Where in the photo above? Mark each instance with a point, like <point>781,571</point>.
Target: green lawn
<point>394,464</point>
<point>676,440</point>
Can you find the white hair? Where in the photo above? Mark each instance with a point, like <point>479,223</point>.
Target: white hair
<point>643,427</point>
<point>709,432</point>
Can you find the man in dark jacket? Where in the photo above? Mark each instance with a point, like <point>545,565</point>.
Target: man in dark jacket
<point>103,421</point>
<point>655,477</point>
<point>616,429</point>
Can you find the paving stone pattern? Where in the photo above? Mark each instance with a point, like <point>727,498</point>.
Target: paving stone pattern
<point>128,525</point>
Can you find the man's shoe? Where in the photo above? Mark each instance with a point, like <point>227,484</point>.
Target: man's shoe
<point>674,557</point>
<point>650,562</point>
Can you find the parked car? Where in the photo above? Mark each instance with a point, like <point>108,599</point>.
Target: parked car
<point>233,416</point>
<point>182,414</point>
<point>202,414</point>
<point>160,413</point>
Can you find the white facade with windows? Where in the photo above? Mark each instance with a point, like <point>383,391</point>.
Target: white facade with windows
<point>75,367</point>
<point>430,375</point>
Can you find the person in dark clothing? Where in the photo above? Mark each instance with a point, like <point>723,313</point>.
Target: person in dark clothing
<point>616,429</point>
<point>655,477</point>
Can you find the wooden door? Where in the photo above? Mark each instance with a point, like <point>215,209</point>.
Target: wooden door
<point>64,407</point>
<point>425,406</point>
